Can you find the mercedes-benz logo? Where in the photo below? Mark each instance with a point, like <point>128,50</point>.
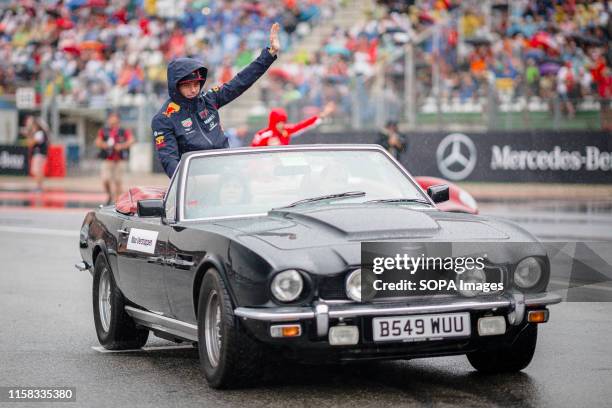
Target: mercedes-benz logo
<point>456,156</point>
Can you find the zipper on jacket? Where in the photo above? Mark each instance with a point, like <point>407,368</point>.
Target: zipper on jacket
<point>201,131</point>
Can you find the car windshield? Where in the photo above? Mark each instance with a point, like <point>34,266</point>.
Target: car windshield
<point>255,182</point>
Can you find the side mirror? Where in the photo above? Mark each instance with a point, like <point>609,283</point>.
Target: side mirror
<point>151,208</point>
<point>439,193</point>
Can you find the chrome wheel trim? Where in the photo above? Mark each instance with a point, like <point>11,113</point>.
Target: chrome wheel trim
<point>212,328</point>
<point>104,303</point>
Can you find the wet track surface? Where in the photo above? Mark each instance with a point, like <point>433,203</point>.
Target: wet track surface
<point>47,339</point>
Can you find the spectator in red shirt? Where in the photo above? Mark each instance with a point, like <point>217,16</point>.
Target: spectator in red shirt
<point>114,143</point>
<point>604,85</point>
<point>279,132</point>
<point>604,89</point>
<point>176,44</point>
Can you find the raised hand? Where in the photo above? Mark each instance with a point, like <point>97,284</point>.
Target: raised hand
<point>328,109</point>
<point>274,41</point>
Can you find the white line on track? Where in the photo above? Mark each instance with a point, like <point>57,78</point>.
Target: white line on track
<point>101,349</point>
<point>40,231</point>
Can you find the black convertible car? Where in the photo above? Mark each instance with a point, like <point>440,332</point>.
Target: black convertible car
<point>254,253</point>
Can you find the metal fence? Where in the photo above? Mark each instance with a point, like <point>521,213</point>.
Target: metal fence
<point>364,104</point>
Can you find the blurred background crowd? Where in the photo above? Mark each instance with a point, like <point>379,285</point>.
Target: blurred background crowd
<point>96,51</point>
<point>467,56</point>
<point>425,64</point>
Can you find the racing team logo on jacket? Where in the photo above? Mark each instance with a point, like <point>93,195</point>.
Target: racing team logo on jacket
<point>172,108</point>
<point>160,140</point>
<point>187,123</point>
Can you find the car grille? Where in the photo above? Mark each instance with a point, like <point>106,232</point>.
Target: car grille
<point>332,287</point>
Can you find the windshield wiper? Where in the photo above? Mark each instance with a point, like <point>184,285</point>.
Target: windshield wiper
<point>400,200</point>
<point>348,194</point>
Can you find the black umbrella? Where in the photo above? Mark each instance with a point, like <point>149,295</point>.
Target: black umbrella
<point>551,60</point>
<point>585,39</point>
<point>393,30</point>
<point>500,5</point>
<point>476,41</point>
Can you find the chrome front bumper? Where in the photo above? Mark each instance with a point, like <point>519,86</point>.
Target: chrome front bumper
<point>321,312</point>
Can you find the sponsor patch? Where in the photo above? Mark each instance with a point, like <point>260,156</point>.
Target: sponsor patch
<point>172,108</point>
<point>187,123</point>
<point>203,113</point>
<point>142,240</point>
<point>215,88</point>
<point>160,141</point>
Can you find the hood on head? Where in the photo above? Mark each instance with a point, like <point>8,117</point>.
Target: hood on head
<point>277,115</point>
<point>180,68</point>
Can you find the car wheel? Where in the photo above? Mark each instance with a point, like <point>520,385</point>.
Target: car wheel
<point>115,328</point>
<point>510,358</point>
<point>229,356</point>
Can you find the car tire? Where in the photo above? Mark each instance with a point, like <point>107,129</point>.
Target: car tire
<point>507,359</point>
<point>229,356</point>
<point>116,330</point>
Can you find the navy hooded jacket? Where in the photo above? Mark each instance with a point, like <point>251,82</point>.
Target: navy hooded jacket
<point>184,125</point>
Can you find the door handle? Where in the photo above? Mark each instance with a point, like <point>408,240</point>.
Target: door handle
<point>123,231</point>
<point>179,262</point>
<point>155,259</point>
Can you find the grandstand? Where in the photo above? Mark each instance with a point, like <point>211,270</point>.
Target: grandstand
<point>430,64</point>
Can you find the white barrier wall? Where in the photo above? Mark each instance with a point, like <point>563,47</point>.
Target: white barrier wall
<point>140,158</point>
<point>8,126</point>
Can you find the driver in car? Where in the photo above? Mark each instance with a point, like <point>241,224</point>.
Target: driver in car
<point>189,119</point>
<point>334,179</point>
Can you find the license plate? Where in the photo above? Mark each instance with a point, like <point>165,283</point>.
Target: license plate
<point>432,326</point>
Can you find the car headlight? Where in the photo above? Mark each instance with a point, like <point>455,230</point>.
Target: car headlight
<point>527,273</point>
<point>353,285</point>
<point>287,285</point>
<point>470,282</point>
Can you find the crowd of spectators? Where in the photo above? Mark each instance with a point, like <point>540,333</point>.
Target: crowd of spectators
<point>540,52</point>
<point>539,49</point>
<point>95,52</point>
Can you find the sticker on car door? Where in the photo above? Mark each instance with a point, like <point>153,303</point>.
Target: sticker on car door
<point>142,240</point>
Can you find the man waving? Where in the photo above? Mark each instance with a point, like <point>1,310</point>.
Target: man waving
<point>189,120</point>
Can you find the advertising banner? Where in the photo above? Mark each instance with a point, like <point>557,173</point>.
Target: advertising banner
<point>521,156</point>
<point>14,160</point>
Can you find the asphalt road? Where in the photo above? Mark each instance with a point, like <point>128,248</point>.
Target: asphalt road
<point>47,338</point>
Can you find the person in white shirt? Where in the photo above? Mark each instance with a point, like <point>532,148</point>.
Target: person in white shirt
<point>565,81</point>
